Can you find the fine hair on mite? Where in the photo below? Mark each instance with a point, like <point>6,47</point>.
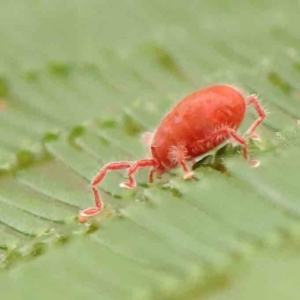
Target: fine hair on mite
<point>196,125</point>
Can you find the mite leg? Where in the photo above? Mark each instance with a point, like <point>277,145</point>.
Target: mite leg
<point>179,155</point>
<point>240,140</point>
<point>158,174</point>
<point>261,116</point>
<point>91,211</point>
<point>143,163</point>
<point>188,174</point>
<point>151,174</point>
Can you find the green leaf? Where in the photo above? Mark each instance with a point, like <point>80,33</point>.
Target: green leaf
<point>79,82</point>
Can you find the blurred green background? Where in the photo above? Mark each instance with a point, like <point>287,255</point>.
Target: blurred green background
<point>79,81</point>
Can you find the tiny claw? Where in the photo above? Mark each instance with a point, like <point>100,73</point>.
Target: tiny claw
<point>126,185</point>
<point>189,175</point>
<point>88,212</point>
<point>82,219</point>
<point>254,163</point>
<point>254,136</point>
<point>233,142</point>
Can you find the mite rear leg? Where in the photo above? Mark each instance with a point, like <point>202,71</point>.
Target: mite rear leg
<point>92,211</point>
<point>238,139</point>
<point>143,163</point>
<point>261,116</point>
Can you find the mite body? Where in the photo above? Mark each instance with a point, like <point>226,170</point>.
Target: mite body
<point>198,124</point>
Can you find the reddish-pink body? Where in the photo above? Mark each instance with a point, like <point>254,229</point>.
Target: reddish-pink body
<point>198,124</point>
<point>193,121</point>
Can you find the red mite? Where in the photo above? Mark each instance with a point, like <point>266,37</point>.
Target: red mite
<point>196,125</point>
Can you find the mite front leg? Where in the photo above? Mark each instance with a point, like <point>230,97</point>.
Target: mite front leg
<point>158,172</point>
<point>143,163</point>
<point>151,175</point>
<point>261,116</point>
<point>92,211</point>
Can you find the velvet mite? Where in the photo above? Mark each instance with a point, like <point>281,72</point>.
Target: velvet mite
<point>198,124</point>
